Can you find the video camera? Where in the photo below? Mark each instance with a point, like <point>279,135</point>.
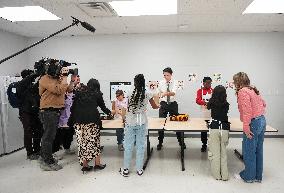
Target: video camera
<point>53,67</point>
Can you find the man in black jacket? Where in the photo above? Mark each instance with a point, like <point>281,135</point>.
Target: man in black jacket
<point>29,98</point>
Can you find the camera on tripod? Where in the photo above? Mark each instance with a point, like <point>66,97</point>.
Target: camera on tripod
<point>53,67</point>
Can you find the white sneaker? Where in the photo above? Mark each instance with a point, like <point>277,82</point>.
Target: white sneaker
<point>237,176</point>
<point>140,172</point>
<point>124,172</point>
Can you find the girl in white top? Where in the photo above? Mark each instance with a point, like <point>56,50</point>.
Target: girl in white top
<point>136,125</point>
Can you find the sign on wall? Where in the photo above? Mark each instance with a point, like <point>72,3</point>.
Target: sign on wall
<point>192,77</point>
<point>217,77</point>
<point>114,86</point>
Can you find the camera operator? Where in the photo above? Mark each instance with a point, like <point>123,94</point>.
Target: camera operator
<point>52,89</point>
<point>64,134</point>
<point>27,94</point>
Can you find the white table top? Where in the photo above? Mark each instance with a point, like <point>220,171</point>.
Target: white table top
<point>192,125</point>
<point>112,124</point>
<point>153,123</point>
<point>237,126</point>
<point>156,123</point>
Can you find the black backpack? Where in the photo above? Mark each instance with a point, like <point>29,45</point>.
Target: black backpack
<point>13,95</point>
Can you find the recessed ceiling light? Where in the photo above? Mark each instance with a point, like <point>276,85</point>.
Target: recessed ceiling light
<point>26,13</point>
<point>265,6</point>
<point>144,7</point>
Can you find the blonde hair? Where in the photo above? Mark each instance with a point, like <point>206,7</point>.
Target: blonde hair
<point>242,80</point>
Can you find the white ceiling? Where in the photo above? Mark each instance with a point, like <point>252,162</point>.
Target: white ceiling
<point>198,15</point>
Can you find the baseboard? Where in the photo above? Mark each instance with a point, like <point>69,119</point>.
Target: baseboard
<point>12,151</point>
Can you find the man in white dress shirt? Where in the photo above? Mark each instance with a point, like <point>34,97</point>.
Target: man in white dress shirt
<point>168,104</point>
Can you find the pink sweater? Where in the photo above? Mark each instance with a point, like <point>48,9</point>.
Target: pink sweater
<point>250,106</point>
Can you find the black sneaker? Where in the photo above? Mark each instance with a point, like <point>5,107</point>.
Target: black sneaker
<point>120,147</point>
<point>124,172</point>
<point>159,146</point>
<point>203,148</point>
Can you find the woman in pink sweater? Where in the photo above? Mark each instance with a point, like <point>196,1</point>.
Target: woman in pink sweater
<point>252,109</point>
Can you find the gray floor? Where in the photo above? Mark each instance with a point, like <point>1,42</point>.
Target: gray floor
<point>163,174</point>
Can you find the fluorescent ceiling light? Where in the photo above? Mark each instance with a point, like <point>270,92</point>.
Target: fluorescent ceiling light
<point>265,6</point>
<point>144,7</point>
<point>26,13</point>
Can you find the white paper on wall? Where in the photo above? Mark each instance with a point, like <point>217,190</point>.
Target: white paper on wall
<point>153,86</point>
<point>192,77</point>
<point>217,77</point>
<point>124,86</point>
<point>180,84</point>
<point>229,85</point>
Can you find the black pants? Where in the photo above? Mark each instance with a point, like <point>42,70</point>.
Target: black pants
<point>49,119</point>
<point>32,132</point>
<point>204,138</point>
<point>64,136</point>
<point>172,109</point>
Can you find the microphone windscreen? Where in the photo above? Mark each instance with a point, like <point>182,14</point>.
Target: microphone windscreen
<point>88,27</point>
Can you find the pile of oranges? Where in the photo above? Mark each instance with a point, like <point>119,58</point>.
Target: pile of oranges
<point>180,117</point>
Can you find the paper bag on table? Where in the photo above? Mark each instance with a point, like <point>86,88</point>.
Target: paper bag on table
<point>156,98</point>
<point>123,113</point>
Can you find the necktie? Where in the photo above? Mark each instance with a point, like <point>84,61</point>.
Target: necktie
<point>168,90</point>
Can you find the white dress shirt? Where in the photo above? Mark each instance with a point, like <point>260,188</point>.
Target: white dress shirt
<point>163,85</point>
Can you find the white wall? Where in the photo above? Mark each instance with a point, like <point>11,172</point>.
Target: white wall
<point>10,44</point>
<point>120,57</point>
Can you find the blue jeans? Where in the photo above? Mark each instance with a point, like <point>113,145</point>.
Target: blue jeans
<point>119,135</point>
<point>253,151</point>
<point>131,133</point>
